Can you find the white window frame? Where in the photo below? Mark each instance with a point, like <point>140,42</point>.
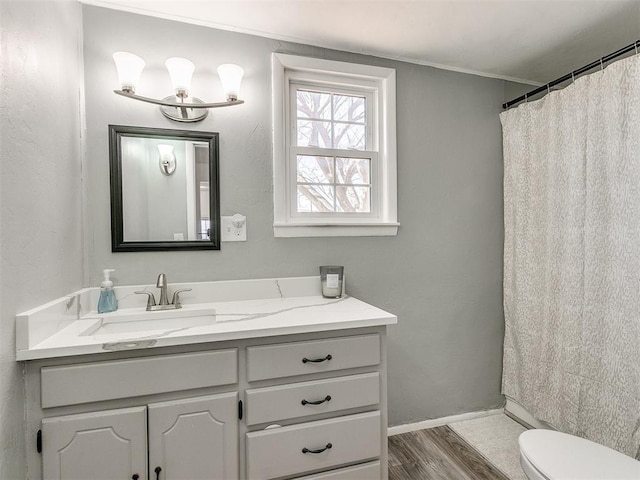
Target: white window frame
<point>378,85</point>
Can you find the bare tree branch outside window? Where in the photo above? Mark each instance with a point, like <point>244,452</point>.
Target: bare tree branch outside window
<point>332,183</point>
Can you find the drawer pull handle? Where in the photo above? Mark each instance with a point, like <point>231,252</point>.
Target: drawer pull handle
<point>158,470</point>
<point>306,450</point>
<point>317,360</point>
<point>317,402</point>
<point>135,476</point>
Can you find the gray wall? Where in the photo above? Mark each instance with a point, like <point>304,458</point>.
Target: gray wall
<point>40,185</point>
<point>442,274</point>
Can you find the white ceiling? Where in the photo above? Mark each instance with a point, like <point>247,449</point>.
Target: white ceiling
<point>534,41</point>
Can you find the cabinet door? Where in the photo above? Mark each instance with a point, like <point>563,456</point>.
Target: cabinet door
<point>99,446</point>
<point>195,438</point>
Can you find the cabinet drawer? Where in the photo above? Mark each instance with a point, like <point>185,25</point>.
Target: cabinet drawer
<point>297,400</point>
<point>367,471</point>
<point>288,359</point>
<point>283,451</point>
<point>98,381</point>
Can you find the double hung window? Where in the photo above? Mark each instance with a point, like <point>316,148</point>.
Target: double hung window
<point>331,155</point>
<point>334,148</point>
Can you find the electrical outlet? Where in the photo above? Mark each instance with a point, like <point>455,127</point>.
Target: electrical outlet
<point>234,228</point>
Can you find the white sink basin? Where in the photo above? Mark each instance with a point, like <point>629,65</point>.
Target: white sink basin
<point>164,320</point>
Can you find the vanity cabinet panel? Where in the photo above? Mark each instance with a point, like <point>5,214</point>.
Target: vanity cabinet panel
<point>195,438</point>
<point>306,447</point>
<point>99,381</point>
<point>300,358</point>
<point>99,446</point>
<point>283,402</point>
<point>368,471</point>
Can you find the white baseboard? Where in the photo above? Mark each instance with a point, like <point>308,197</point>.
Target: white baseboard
<point>438,422</point>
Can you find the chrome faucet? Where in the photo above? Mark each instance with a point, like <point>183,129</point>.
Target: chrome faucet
<point>163,303</point>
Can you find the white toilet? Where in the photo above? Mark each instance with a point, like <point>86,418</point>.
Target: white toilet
<point>551,455</point>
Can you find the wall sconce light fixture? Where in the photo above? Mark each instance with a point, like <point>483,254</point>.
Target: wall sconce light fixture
<point>177,107</point>
<point>167,159</point>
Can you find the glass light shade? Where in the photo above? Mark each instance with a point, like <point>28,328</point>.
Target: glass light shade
<point>231,77</point>
<point>129,68</point>
<point>165,149</point>
<point>181,71</point>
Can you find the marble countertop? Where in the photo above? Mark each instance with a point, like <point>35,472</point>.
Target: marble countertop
<point>239,319</point>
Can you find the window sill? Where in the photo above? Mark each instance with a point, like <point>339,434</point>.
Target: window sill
<point>290,230</point>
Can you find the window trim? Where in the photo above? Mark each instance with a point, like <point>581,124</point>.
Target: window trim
<point>287,69</point>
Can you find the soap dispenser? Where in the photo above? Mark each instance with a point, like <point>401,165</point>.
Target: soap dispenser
<point>107,302</point>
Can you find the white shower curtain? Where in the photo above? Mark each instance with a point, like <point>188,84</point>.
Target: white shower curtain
<point>572,257</point>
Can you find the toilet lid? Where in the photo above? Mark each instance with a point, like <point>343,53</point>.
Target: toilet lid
<point>557,455</point>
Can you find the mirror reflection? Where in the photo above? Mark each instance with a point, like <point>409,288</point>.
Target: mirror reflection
<point>167,189</point>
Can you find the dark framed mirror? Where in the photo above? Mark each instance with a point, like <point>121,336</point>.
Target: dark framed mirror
<point>165,190</point>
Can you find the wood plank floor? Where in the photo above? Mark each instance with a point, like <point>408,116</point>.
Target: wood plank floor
<point>437,454</point>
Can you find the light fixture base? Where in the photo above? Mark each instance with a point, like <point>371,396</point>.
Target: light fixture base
<point>185,114</point>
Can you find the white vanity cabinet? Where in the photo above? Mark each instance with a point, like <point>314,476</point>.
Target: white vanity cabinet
<point>191,438</point>
<point>180,438</point>
<point>306,406</point>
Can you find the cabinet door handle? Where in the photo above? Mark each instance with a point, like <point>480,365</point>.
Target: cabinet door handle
<point>317,360</point>
<point>135,476</point>
<point>158,470</point>
<point>317,402</point>
<point>306,450</point>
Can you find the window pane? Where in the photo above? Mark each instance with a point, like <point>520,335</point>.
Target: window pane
<point>349,137</point>
<point>312,169</point>
<point>353,170</point>
<point>314,134</point>
<point>315,198</point>
<point>353,199</point>
<point>313,105</point>
<point>349,109</point>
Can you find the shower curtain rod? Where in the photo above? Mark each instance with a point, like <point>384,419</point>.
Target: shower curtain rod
<point>600,62</point>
